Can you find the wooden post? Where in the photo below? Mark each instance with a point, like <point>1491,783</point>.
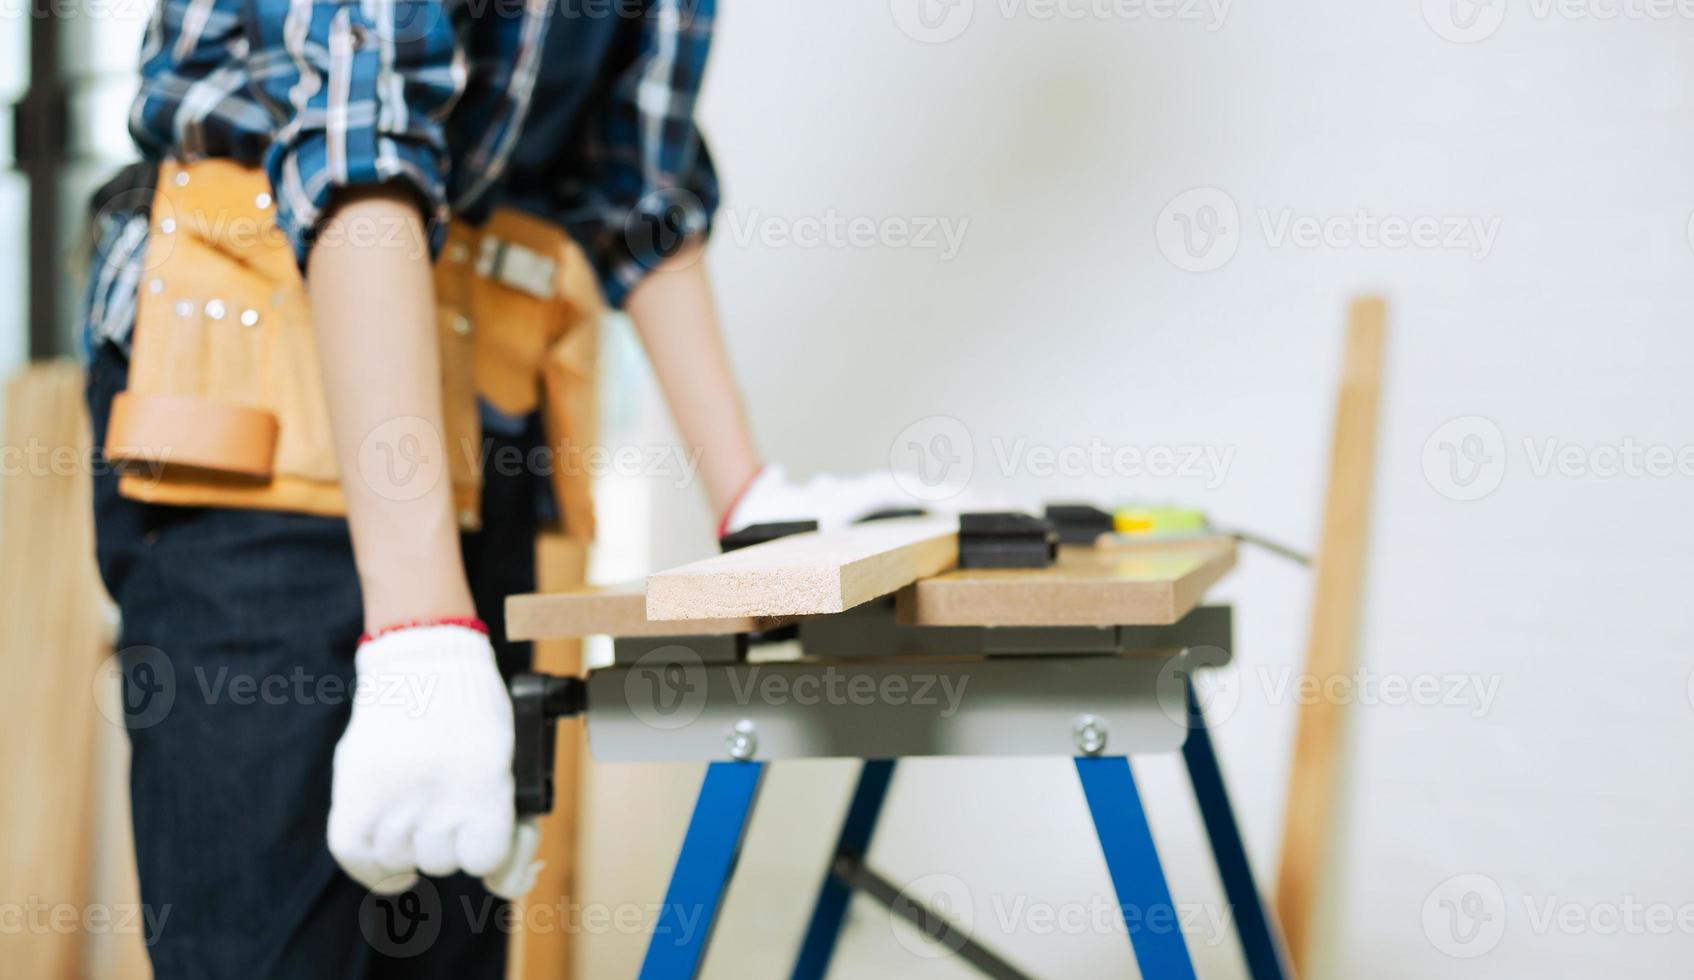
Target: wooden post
<point>1339,585</point>
<point>545,948</point>
<point>53,637</point>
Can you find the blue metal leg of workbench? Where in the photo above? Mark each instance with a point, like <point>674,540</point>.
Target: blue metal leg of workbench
<point>1143,896</point>
<point>1259,941</point>
<point>855,840</point>
<point>678,945</point>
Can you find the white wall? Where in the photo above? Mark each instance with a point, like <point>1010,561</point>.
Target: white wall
<point>1566,782</point>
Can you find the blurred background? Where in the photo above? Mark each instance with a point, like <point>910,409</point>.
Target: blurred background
<point>1060,225</point>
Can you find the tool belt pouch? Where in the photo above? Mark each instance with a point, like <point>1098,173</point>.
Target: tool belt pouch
<point>225,404</point>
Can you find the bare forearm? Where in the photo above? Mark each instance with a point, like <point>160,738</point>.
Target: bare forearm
<point>676,317</point>
<point>373,308</point>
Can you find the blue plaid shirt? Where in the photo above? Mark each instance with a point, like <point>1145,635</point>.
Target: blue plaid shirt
<point>580,111</point>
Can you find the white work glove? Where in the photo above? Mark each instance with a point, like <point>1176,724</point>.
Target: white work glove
<point>423,774</point>
<point>836,501</point>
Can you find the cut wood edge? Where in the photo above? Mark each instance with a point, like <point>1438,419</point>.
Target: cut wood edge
<point>611,610</point>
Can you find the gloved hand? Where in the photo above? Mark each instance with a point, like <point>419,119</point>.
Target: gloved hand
<point>836,501</point>
<point>423,774</point>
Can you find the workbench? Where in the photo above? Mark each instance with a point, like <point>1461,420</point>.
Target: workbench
<point>1089,658</point>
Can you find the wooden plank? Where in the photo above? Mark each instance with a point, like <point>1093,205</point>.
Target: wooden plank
<point>1143,583</point>
<point>549,953</point>
<point>1146,585</point>
<point>53,636</point>
<point>806,574</point>
<point>1308,823</point>
<point>611,610</point>
<point>1141,543</point>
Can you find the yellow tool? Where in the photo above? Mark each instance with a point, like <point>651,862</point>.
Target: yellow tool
<point>1167,521</point>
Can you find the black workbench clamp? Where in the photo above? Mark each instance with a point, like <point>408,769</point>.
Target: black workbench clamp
<point>1006,540</point>
<point>538,702</point>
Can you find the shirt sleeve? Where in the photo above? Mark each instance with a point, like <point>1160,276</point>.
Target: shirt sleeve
<point>361,91</point>
<point>651,188</point>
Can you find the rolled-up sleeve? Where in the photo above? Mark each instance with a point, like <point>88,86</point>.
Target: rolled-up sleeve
<point>361,91</point>
<point>651,188</point>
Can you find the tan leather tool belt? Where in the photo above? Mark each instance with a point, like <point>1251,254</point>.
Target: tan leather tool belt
<point>225,406</point>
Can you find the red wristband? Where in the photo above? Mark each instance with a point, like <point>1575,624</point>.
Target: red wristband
<point>465,622</point>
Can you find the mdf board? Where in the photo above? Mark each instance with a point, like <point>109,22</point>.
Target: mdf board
<point>1146,585</point>
<point>53,640</point>
<point>806,574</point>
<point>1340,566</point>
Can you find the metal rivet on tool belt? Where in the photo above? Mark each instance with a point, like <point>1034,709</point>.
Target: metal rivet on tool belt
<point>167,226</point>
<point>741,740</point>
<point>184,308</point>
<point>459,253</point>
<point>1090,734</point>
<point>182,178</point>
<point>263,201</point>
<point>249,318</point>
<point>467,518</point>
<point>462,325</point>
<point>156,286</point>
<point>215,309</point>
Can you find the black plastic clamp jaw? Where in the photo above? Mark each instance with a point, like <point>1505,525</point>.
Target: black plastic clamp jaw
<point>1006,540</point>
<point>538,702</point>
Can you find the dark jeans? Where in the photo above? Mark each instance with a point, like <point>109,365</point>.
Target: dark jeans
<point>237,652</point>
